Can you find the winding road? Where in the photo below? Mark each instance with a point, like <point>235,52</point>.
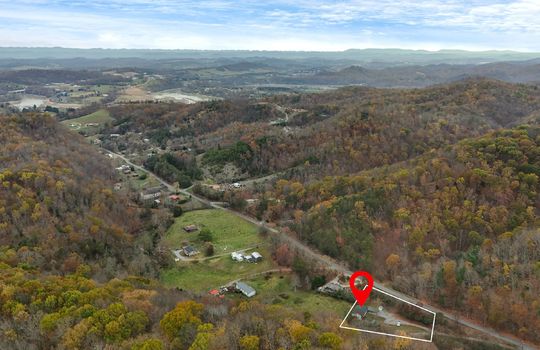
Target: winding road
<point>336,266</point>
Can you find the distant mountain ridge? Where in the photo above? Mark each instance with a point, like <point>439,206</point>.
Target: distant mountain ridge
<point>362,55</point>
<point>424,75</point>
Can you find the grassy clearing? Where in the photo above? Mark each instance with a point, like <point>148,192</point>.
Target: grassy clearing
<point>138,184</point>
<point>104,89</point>
<point>209,274</point>
<point>229,232</point>
<point>278,289</point>
<point>101,116</point>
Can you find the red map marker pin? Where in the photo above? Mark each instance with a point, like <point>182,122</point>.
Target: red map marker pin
<point>361,295</point>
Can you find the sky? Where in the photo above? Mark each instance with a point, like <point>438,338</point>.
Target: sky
<point>304,25</point>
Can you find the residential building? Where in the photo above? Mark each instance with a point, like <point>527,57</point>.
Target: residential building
<point>190,251</point>
<point>151,193</point>
<point>360,311</point>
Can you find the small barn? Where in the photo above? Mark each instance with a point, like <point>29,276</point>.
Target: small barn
<point>245,289</point>
<point>190,228</point>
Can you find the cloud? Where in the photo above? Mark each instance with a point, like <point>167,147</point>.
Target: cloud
<point>281,24</point>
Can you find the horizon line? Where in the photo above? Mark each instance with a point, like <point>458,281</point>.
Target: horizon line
<point>258,50</point>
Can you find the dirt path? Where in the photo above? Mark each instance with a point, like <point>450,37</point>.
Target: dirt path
<point>184,258</point>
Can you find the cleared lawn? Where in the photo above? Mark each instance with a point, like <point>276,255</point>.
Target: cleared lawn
<point>101,116</point>
<point>278,289</point>
<point>229,232</point>
<point>210,274</point>
<point>139,184</point>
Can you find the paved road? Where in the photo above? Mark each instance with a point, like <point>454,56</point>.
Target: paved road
<point>338,267</point>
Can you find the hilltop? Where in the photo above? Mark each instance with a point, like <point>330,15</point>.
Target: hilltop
<point>331,133</point>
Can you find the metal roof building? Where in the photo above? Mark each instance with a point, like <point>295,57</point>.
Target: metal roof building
<point>247,290</point>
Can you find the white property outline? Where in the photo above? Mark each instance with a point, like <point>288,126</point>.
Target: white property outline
<point>389,334</point>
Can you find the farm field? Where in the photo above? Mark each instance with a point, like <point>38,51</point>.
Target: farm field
<point>209,274</point>
<point>229,232</point>
<point>101,116</point>
<point>134,94</point>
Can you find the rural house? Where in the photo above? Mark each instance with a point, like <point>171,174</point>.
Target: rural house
<point>331,288</point>
<point>175,197</point>
<point>190,251</point>
<point>360,311</point>
<point>151,193</point>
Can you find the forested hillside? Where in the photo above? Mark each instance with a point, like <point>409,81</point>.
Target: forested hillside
<point>458,225</point>
<point>57,208</point>
<point>365,128</point>
<point>339,132</point>
<point>433,190</point>
<point>76,263</point>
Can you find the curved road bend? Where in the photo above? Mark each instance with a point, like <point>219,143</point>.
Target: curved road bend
<point>334,265</point>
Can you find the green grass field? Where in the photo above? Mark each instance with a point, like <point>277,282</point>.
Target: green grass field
<point>278,290</point>
<point>104,89</point>
<point>229,232</point>
<point>209,274</point>
<point>139,184</point>
<point>101,116</point>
